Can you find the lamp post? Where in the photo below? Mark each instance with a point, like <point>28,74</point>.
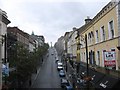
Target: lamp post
<point>87,67</point>
<point>86,55</point>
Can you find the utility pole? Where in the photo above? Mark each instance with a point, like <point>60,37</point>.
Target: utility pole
<point>86,55</point>
<point>87,60</point>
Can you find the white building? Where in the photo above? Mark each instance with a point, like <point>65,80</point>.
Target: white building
<point>72,46</point>
<point>3,31</point>
<point>60,45</point>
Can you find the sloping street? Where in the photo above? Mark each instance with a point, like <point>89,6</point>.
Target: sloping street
<point>48,76</point>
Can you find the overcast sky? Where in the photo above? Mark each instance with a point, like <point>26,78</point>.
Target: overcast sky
<point>50,18</point>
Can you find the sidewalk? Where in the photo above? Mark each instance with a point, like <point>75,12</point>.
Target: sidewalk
<point>29,83</point>
<point>69,73</point>
<point>34,75</point>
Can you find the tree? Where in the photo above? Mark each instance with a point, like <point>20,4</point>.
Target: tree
<point>25,62</point>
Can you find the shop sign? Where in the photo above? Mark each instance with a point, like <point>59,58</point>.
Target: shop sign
<point>109,58</point>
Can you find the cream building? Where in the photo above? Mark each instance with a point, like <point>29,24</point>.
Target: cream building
<point>102,37</point>
<point>72,46</point>
<point>3,30</point>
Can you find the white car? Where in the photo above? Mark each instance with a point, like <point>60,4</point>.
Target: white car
<point>59,64</point>
<point>59,68</point>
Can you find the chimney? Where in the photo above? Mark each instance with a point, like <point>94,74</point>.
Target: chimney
<point>87,20</point>
<point>74,28</point>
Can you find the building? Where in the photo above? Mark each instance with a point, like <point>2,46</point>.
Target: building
<point>98,43</point>
<point>65,43</point>
<point>3,34</point>
<point>59,45</point>
<point>72,46</point>
<point>21,36</point>
<point>102,37</point>
<point>32,44</point>
<point>17,36</point>
<point>39,38</point>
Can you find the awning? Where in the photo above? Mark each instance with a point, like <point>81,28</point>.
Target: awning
<point>108,82</point>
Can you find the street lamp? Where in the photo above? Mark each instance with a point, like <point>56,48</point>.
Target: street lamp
<point>87,67</point>
<point>86,55</point>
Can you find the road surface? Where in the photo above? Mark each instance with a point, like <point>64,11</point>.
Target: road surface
<point>48,77</point>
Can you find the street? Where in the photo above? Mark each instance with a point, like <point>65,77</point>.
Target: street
<point>48,77</point>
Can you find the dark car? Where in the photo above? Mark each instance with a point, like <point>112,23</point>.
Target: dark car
<point>52,54</point>
<point>56,60</point>
<point>62,73</point>
<point>64,83</point>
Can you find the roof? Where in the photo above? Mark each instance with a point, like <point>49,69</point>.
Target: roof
<point>104,10</point>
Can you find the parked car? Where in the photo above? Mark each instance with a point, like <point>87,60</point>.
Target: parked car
<point>68,87</point>
<point>56,60</point>
<point>62,73</point>
<point>64,82</point>
<point>60,68</point>
<point>59,63</point>
<point>52,54</point>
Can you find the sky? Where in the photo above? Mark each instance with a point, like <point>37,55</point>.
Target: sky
<point>50,18</point>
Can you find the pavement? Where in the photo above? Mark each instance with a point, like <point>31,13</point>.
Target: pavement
<point>69,73</point>
<point>34,75</point>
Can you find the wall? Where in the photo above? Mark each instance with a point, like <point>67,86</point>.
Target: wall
<point>102,19</point>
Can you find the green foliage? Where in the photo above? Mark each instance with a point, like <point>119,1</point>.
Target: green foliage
<point>26,62</point>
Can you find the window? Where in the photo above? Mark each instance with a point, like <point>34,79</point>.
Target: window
<point>84,57</point>
<point>98,57</point>
<point>112,49</point>
<point>111,29</point>
<point>92,36</point>
<point>103,33</point>
<point>92,57</point>
<point>89,38</point>
<point>97,38</point>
